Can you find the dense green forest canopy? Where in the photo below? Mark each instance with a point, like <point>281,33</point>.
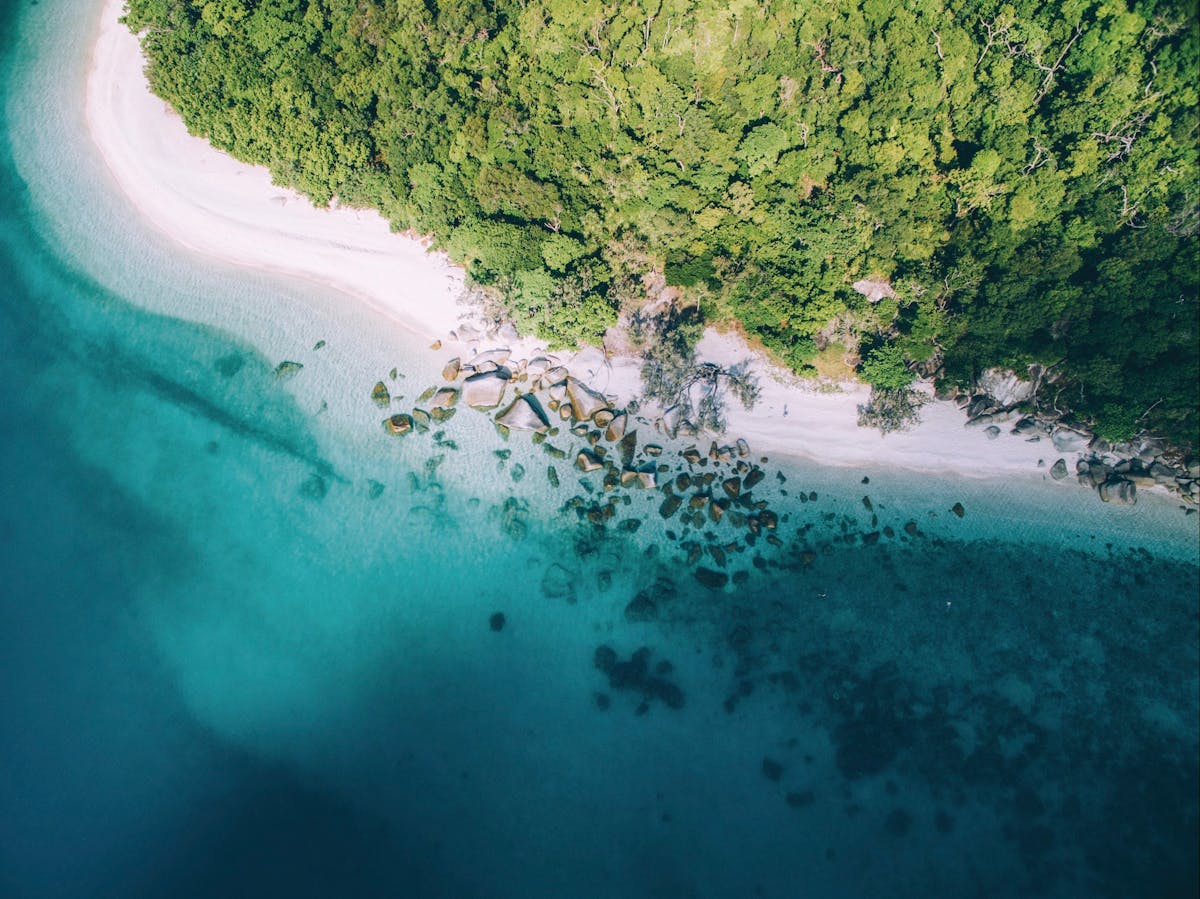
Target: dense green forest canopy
<point>1024,173</point>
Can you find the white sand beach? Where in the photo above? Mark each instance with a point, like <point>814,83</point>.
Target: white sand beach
<point>215,205</point>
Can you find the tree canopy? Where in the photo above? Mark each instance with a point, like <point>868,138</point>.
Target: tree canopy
<point>1024,174</point>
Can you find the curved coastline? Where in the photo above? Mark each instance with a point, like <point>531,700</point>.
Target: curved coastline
<point>215,205</point>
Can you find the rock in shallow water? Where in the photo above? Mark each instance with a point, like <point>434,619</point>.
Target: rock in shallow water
<point>399,424</point>
<point>287,369</point>
<point>484,391</point>
<point>587,461</point>
<point>714,580</point>
<point>525,414</point>
<point>584,401</point>
<point>558,583</point>
<point>1119,491</point>
<point>641,608</point>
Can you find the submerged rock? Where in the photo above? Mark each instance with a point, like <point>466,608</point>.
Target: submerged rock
<point>381,396</point>
<point>287,369</point>
<point>635,676</point>
<point>670,506</point>
<point>627,447</point>
<point>315,487</point>
<point>714,580</point>
<point>641,608</point>
<point>558,583</point>
<point>399,424</point>
<point>497,621</point>
<point>444,398</point>
<point>1058,470</point>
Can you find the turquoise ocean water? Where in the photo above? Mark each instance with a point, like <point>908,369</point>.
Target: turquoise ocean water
<point>245,639</point>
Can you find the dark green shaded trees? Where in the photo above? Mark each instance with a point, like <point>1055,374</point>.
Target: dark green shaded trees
<point>1024,174</point>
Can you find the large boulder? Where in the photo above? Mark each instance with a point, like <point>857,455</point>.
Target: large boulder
<point>988,420</point>
<point>1066,440</point>
<point>641,608</point>
<point>525,414</point>
<point>1118,490</point>
<point>556,374</point>
<point>484,390</point>
<point>1058,470</point>
<point>497,356</point>
<point>616,428</point>
<point>1093,472</point>
<point>1004,387</point>
<point>1164,474</point>
<point>444,398</point>
<point>399,424</point>
<point>587,461</point>
<point>584,401</point>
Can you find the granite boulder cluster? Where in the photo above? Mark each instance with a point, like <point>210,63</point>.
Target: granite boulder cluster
<point>708,498</point>
<point>1003,401</point>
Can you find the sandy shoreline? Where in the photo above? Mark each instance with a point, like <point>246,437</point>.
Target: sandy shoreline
<point>217,206</point>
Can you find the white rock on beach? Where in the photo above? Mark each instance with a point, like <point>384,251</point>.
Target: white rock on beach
<point>1004,386</point>
<point>484,391</point>
<point>584,401</point>
<point>525,414</point>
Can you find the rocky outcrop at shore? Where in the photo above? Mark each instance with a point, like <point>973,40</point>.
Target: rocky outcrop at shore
<point>1001,401</point>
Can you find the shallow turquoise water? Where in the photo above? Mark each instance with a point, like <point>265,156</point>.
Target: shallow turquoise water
<point>228,667</point>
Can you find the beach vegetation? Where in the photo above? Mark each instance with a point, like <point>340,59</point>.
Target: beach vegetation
<point>1023,174</point>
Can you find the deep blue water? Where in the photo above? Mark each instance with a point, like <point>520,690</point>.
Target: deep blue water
<point>231,666</point>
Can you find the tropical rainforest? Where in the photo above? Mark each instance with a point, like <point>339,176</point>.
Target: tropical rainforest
<point>1018,179</point>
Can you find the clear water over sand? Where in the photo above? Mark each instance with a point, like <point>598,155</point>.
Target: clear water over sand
<point>231,665</point>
